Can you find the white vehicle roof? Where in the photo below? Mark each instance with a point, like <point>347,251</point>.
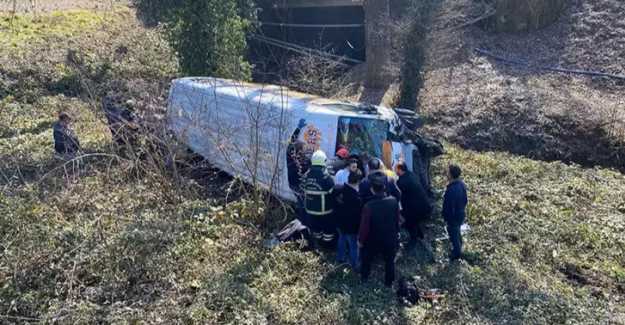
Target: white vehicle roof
<point>290,99</point>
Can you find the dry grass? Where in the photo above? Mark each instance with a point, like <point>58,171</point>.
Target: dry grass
<point>118,245</point>
<point>44,6</point>
<point>483,105</point>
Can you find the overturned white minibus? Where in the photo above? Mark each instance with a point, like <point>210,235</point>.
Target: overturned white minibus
<point>244,129</point>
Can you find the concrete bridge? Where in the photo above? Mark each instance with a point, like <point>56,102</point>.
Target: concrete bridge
<point>349,28</point>
<point>317,3</point>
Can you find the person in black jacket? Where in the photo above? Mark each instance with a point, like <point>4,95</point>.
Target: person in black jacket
<point>318,188</point>
<point>297,165</point>
<point>375,169</point>
<point>416,207</point>
<point>348,212</point>
<point>454,206</point>
<point>297,162</point>
<point>379,230</point>
<point>121,121</point>
<point>66,143</point>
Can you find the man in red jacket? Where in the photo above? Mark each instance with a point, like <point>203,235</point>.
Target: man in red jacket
<point>379,230</point>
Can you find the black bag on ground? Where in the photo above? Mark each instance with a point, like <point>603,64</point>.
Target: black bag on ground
<point>295,231</point>
<point>407,292</point>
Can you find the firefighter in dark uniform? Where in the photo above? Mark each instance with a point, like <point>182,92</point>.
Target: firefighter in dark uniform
<point>319,199</point>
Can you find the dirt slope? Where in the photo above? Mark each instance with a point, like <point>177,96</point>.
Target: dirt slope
<point>483,104</point>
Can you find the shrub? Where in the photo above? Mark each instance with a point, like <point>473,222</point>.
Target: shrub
<point>151,12</point>
<point>412,37</point>
<point>209,37</point>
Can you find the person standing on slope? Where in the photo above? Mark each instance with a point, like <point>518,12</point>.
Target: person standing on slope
<point>454,209</point>
<point>318,188</point>
<point>297,164</point>
<point>342,175</point>
<point>379,230</point>
<point>377,168</point>
<point>415,205</point>
<point>348,214</point>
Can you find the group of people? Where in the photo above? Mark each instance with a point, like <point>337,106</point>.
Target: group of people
<point>359,210</point>
<point>366,205</point>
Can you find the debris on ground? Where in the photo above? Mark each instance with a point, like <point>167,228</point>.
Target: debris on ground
<point>412,291</point>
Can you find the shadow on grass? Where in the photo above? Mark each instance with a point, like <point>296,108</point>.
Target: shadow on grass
<point>372,301</point>
<point>535,135</point>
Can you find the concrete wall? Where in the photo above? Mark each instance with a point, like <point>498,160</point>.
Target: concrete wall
<point>342,41</point>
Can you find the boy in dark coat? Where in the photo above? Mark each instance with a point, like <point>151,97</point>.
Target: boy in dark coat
<point>454,209</point>
<point>416,207</point>
<point>348,213</point>
<point>379,230</point>
<point>66,143</point>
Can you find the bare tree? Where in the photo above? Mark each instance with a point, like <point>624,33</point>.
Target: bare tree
<point>377,16</point>
<point>315,75</point>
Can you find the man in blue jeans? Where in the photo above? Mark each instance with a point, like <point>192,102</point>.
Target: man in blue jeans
<point>348,212</point>
<point>454,209</point>
<point>379,230</point>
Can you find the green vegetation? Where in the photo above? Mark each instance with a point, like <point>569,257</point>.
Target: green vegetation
<point>208,36</point>
<point>18,30</point>
<point>412,81</point>
<point>115,245</point>
<point>412,39</point>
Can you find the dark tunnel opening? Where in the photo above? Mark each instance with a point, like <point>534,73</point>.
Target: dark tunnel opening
<point>338,31</point>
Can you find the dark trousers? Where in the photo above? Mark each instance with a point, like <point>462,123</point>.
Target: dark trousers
<point>455,238</point>
<point>300,212</point>
<point>323,230</point>
<point>368,254</point>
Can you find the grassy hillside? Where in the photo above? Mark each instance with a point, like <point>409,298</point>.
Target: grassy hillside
<point>122,245</point>
<point>482,104</point>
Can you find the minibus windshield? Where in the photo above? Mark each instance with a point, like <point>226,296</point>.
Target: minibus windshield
<point>362,135</point>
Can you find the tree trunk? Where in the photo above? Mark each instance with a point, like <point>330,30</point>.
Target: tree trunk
<point>378,42</point>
